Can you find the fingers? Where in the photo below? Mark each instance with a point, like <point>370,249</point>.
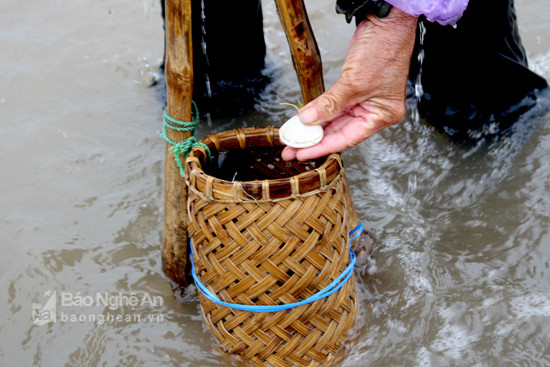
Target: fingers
<point>289,153</point>
<point>329,105</point>
<point>350,129</point>
<point>344,133</point>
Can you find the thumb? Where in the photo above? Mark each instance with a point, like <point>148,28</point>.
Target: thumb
<point>327,106</point>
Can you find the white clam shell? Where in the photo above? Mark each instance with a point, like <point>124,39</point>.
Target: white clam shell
<point>297,135</point>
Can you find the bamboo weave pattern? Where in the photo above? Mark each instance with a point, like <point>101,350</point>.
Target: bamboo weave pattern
<point>272,241</point>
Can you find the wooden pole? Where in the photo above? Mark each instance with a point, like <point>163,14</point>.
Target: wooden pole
<point>307,62</point>
<point>179,90</point>
<point>303,47</point>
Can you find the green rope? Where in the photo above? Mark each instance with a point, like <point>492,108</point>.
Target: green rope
<point>185,145</point>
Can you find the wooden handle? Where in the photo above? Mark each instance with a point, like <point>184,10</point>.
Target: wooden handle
<point>303,47</point>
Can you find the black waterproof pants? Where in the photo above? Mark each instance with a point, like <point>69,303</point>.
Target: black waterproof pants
<point>476,74</point>
<point>228,55</point>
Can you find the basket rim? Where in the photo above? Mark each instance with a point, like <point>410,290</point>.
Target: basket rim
<point>211,188</point>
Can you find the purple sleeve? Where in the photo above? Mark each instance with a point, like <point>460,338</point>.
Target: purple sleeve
<point>442,11</point>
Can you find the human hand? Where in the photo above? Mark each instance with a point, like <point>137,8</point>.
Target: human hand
<point>370,94</point>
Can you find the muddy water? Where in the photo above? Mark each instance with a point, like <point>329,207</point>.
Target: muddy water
<point>461,274</point>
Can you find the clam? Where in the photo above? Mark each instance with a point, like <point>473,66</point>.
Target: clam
<point>297,135</point>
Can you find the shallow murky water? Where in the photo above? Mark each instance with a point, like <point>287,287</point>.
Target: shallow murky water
<point>461,273</point>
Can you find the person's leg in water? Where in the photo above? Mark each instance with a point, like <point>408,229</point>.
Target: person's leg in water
<point>228,55</point>
<point>475,76</point>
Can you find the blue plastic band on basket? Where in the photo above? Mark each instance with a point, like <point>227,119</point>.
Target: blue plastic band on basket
<point>325,292</point>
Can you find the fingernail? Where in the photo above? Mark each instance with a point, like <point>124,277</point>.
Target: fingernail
<point>308,115</point>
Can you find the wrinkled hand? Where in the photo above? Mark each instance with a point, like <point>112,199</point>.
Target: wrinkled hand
<point>370,94</point>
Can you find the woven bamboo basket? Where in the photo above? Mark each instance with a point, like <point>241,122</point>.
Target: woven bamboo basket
<point>266,232</point>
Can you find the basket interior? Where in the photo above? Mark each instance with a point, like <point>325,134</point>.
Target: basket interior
<point>257,163</point>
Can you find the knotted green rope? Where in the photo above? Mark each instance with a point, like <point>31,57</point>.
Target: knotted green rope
<point>185,145</point>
